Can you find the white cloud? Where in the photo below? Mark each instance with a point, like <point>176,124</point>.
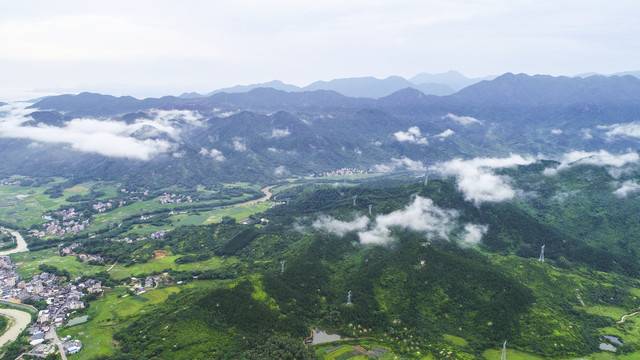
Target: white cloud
<point>564,195</point>
<point>463,120</point>
<point>412,135</point>
<point>586,134</point>
<point>278,133</point>
<point>600,158</point>
<point>215,154</point>
<point>280,170</point>
<point>239,144</point>
<point>444,134</point>
<point>473,233</point>
<point>422,215</point>
<point>402,163</point>
<point>556,131</point>
<point>105,137</point>
<point>627,188</point>
<point>631,129</point>
<point>477,181</point>
<point>338,227</point>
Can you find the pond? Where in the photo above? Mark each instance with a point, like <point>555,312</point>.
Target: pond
<point>607,347</point>
<point>321,336</point>
<point>78,320</point>
<point>613,339</point>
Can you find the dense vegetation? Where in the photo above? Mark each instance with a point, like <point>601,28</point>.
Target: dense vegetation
<point>408,290</point>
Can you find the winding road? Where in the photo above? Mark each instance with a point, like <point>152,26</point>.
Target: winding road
<point>624,317</point>
<point>22,245</point>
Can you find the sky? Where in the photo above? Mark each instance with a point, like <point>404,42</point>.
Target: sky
<point>155,48</point>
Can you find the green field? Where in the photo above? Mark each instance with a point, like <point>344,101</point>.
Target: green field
<point>348,351</point>
<point>24,205</point>
<point>158,265</point>
<point>28,263</point>
<point>108,313</point>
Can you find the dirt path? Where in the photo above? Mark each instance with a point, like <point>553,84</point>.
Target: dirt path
<point>18,321</point>
<point>114,264</point>
<point>624,317</point>
<point>22,245</point>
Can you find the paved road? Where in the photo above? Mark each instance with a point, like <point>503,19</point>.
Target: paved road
<point>26,307</point>
<point>22,245</point>
<point>19,321</point>
<point>56,340</point>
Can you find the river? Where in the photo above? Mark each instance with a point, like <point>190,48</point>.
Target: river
<point>267,196</point>
<point>18,320</point>
<point>22,245</point>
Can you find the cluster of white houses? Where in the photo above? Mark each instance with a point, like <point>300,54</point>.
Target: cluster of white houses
<point>61,299</point>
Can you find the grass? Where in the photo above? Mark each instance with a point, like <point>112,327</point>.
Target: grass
<point>602,310</point>
<point>320,352</point>
<point>201,217</point>
<point>109,313</point>
<point>157,265</point>
<point>455,340</point>
<point>511,355</point>
<point>28,263</point>
<point>190,217</point>
<point>24,205</point>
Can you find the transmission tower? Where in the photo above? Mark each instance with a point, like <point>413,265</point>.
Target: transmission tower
<point>370,209</point>
<point>504,351</point>
<point>349,298</point>
<point>282,266</point>
<point>354,199</point>
<point>542,254</point>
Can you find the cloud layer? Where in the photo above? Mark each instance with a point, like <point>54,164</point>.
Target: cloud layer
<point>627,188</point>
<point>278,133</point>
<point>215,154</point>
<point>422,215</point>
<point>462,120</point>
<point>412,135</point>
<point>478,182</point>
<point>445,134</point>
<point>599,158</point>
<point>105,137</point>
<point>401,163</point>
<point>614,131</point>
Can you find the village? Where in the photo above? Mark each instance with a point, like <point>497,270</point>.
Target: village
<point>61,301</point>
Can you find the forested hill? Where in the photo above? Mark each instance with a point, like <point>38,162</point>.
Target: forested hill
<point>417,275</point>
<point>267,134</point>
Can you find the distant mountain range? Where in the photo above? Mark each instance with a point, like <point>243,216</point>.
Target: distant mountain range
<point>366,87</point>
<point>267,133</point>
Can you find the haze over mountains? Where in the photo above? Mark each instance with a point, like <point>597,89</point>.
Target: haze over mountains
<point>368,87</point>
<point>267,133</point>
